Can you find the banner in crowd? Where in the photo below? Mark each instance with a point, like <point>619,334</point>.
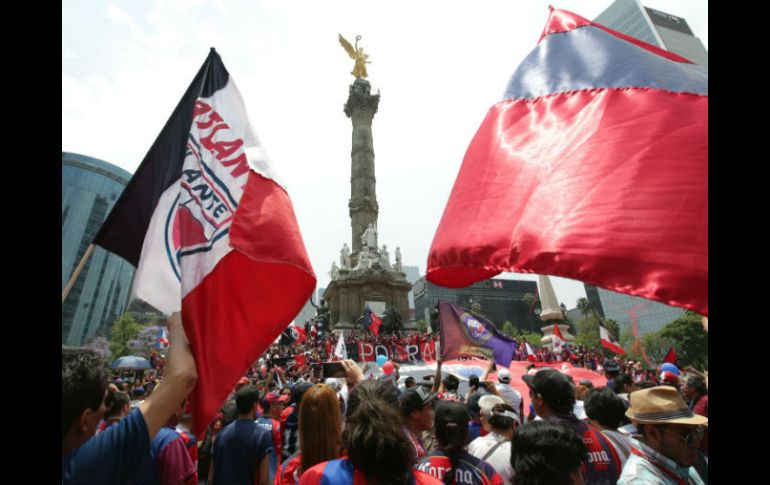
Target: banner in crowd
<point>466,335</point>
<point>368,352</point>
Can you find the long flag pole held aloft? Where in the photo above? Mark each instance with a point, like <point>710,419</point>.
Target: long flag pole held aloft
<point>76,273</point>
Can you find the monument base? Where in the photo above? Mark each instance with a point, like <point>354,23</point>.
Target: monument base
<point>348,295</point>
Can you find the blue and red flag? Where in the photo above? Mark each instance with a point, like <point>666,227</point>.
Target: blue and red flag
<point>371,321</point>
<point>463,334</point>
<point>594,167</point>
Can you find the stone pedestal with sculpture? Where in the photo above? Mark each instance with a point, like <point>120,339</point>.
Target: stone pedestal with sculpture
<point>552,314</point>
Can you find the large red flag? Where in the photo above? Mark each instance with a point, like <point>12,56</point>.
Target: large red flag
<point>671,356</point>
<point>212,233</point>
<point>593,167</point>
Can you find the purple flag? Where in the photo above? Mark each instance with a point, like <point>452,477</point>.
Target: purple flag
<point>466,335</point>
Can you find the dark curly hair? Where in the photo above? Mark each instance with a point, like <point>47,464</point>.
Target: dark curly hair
<point>546,453</point>
<point>83,384</point>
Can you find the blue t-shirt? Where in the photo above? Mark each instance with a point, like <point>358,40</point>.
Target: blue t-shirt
<point>470,470</point>
<point>114,456</point>
<point>238,449</point>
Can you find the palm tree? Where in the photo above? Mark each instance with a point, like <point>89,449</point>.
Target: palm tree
<point>583,306</point>
<point>612,327</point>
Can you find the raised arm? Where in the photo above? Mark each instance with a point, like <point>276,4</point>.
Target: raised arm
<point>437,377</point>
<point>179,378</point>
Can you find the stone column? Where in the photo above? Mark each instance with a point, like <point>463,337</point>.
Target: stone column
<point>360,108</point>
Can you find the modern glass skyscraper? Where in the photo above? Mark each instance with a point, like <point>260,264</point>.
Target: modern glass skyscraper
<point>90,188</point>
<point>648,316</point>
<point>654,27</point>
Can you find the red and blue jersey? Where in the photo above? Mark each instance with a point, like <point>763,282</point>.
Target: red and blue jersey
<point>274,428</point>
<point>289,471</point>
<point>342,472</point>
<point>469,471</point>
<point>603,461</point>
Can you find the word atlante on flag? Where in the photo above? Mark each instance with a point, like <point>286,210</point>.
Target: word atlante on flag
<point>210,229</point>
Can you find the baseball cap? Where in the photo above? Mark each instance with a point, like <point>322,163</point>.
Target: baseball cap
<point>611,366</point>
<point>450,412</point>
<point>415,398</point>
<point>504,376</point>
<point>552,385</point>
<point>486,403</point>
<point>273,398</point>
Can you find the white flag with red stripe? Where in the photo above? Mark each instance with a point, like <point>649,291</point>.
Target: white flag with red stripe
<point>608,342</point>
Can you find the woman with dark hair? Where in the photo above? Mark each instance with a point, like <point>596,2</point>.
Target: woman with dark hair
<point>320,426</point>
<point>377,449</point>
<point>117,408</point>
<point>547,453</point>
<point>451,463</point>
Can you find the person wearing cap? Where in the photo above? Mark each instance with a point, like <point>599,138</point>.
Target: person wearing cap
<point>270,422</point>
<point>511,395</point>
<point>696,392</point>
<point>241,450</point>
<point>670,436</point>
<point>417,412</point>
<point>611,369</point>
<point>553,397</point>
<point>495,447</point>
<point>486,403</point>
<point>450,462</point>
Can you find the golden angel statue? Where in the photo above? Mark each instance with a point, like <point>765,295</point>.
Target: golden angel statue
<point>356,53</point>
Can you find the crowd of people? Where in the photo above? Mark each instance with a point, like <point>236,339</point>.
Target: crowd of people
<point>285,425</point>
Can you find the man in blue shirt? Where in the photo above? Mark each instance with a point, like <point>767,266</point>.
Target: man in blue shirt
<point>242,448</point>
<point>115,455</point>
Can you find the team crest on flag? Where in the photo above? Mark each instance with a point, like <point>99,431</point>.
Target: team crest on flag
<point>477,331</point>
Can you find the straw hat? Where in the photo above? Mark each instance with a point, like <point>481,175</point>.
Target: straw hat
<point>661,404</point>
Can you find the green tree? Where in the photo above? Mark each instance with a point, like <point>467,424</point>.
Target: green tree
<point>612,327</point>
<point>656,346</point>
<point>422,327</point>
<point>534,338</point>
<point>690,340</point>
<point>508,328</point>
<point>528,298</point>
<point>588,330</point>
<point>124,330</point>
<point>583,306</point>
<point>476,308</point>
<point>626,339</point>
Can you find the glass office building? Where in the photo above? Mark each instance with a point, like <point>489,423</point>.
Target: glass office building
<point>90,188</point>
<point>500,300</point>
<point>649,316</point>
<point>655,27</point>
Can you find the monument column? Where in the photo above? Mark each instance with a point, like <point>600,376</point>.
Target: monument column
<point>360,108</point>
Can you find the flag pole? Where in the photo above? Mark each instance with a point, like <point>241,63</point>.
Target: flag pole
<point>75,275</point>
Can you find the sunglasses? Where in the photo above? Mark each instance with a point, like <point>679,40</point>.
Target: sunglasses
<point>690,438</point>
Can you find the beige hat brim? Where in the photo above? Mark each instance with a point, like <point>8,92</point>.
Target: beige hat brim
<point>695,419</point>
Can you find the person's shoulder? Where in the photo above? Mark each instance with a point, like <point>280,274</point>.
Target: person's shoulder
<point>423,478</point>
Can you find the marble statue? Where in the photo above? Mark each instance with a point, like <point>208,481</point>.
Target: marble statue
<point>369,237</point>
<point>345,256</point>
<point>334,273</point>
<point>397,266</point>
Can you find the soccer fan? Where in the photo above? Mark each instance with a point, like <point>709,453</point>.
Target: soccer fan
<point>450,462</point>
<point>274,404</point>
<point>241,449</point>
<point>553,398</point>
<point>606,412</point>
<point>547,452</point>
<point>417,412</point>
<point>495,447</point>
<point>116,455</point>
<point>670,436</point>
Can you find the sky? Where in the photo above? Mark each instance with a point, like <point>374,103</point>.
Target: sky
<point>438,66</point>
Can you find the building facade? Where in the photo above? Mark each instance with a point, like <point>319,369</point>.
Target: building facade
<point>655,27</point>
<point>638,314</point>
<point>500,300</point>
<point>90,188</point>
<point>412,275</point>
